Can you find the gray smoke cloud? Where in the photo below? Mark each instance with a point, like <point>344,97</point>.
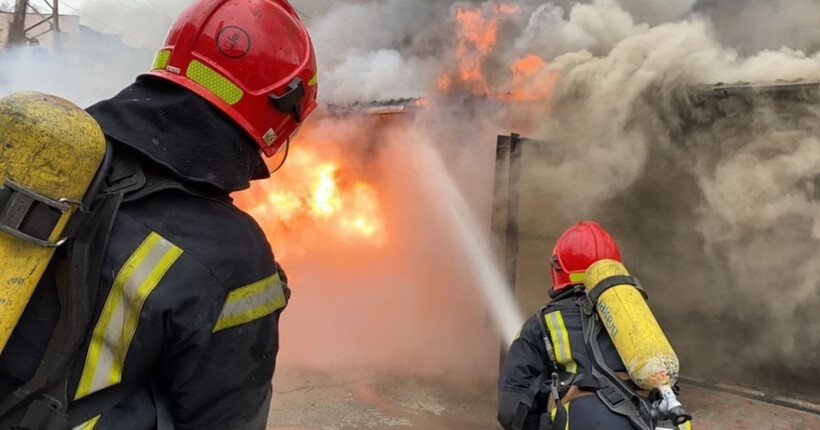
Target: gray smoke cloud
<point>716,206</point>
<point>755,25</point>
<point>714,200</point>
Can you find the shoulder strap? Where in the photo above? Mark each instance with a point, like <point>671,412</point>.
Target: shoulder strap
<point>77,281</point>
<point>561,413</point>
<point>614,392</point>
<point>545,336</point>
<point>94,404</point>
<point>85,409</point>
<point>526,403</point>
<point>613,281</point>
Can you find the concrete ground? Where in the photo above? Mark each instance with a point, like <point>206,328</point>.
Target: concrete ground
<point>308,400</point>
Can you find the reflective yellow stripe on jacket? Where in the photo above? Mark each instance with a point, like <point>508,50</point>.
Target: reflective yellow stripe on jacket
<point>560,341</point>
<point>89,425</point>
<point>120,315</point>
<point>251,302</point>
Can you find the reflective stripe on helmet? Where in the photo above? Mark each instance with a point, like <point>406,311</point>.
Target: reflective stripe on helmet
<point>214,82</point>
<point>577,278</point>
<point>161,59</point>
<point>314,80</point>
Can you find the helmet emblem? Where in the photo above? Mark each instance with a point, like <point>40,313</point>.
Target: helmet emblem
<point>233,42</point>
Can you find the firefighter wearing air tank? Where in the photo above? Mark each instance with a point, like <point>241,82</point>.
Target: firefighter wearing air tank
<point>594,358</point>
<point>134,295</point>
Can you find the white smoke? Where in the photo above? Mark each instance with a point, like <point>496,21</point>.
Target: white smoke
<point>657,12</point>
<point>380,75</point>
<point>84,76</point>
<point>755,25</point>
<point>371,50</point>
<point>142,24</point>
<point>594,28</point>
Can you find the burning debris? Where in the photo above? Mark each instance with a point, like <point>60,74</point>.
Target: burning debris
<point>477,36</point>
<point>321,188</point>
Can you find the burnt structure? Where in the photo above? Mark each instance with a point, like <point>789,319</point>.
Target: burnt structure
<point>713,322</point>
<point>655,220</point>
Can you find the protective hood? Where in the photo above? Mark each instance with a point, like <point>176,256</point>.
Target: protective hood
<point>182,132</point>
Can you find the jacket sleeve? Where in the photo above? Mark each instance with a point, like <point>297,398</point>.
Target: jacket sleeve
<point>220,357</point>
<point>523,365</point>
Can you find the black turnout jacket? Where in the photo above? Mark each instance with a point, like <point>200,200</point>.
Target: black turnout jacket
<point>190,296</point>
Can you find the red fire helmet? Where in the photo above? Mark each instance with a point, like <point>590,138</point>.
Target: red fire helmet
<point>252,59</point>
<point>578,248</point>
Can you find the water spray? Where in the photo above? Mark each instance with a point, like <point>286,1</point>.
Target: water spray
<point>444,194</point>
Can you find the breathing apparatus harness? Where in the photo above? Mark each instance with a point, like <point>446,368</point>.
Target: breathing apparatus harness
<point>616,391</point>
<point>43,403</point>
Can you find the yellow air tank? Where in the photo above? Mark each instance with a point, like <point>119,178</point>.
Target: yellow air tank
<point>50,150</point>
<point>642,345</point>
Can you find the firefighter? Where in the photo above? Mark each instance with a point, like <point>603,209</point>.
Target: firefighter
<point>183,323</point>
<point>545,381</point>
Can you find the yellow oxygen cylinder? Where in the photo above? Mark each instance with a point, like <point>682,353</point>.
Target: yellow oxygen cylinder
<point>637,336</point>
<point>50,150</point>
<point>649,358</point>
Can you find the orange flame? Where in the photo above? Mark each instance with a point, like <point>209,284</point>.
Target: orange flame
<point>326,200</point>
<point>529,65</point>
<point>477,31</point>
<point>315,194</point>
<point>529,81</point>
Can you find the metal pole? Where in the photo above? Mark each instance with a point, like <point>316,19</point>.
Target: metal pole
<point>55,26</point>
<point>513,198</point>
<point>507,157</point>
<point>17,28</point>
<point>499,224</point>
<point>56,15</point>
<point>499,205</point>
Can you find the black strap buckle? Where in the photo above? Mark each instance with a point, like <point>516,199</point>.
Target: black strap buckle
<point>44,414</point>
<point>291,101</point>
<point>31,216</point>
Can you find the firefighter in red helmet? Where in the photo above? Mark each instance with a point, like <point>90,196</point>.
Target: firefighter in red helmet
<point>181,289</point>
<point>548,380</point>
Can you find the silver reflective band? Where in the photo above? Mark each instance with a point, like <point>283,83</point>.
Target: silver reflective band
<point>252,302</point>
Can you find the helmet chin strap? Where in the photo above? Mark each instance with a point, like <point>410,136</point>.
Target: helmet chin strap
<point>285,157</point>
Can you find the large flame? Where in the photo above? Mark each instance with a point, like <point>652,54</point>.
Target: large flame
<point>477,38</point>
<point>318,192</point>
<point>477,32</point>
<point>530,79</point>
<point>315,196</point>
